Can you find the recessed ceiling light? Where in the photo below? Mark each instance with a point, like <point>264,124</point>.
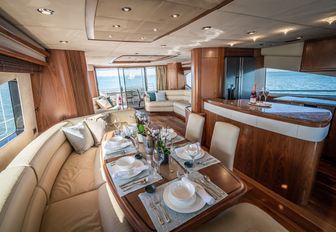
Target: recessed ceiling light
<point>175,15</point>
<point>155,29</point>
<point>329,20</point>
<point>251,32</point>
<point>286,30</point>
<point>142,38</point>
<point>126,9</point>
<point>45,11</point>
<point>64,41</point>
<point>255,38</point>
<point>116,26</point>
<point>206,28</point>
<point>299,37</point>
<point>110,36</point>
<point>231,44</point>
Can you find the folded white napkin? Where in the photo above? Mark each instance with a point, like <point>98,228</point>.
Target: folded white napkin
<point>201,192</point>
<point>112,147</point>
<point>122,173</point>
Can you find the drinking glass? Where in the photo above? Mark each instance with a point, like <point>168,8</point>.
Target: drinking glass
<point>180,173</point>
<point>266,93</point>
<point>193,151</point>
<point>117,124</point>
<point>171,159</point>
<point>158,159</point>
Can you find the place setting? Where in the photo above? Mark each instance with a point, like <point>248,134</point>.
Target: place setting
<point>176,202</point>
<point>192,157</point>
<point>130,173</point>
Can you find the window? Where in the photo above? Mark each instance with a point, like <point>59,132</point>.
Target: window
<point>188,80</point>
<point>299,83</point>
<point>11,120</point>
<point>108,81</point>
<point>151,78</point>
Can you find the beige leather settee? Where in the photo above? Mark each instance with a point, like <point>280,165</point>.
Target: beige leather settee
<point>49,187</point>
<point>177,101</point>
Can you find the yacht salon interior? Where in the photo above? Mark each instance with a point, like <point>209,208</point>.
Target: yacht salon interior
<point>167,115</point>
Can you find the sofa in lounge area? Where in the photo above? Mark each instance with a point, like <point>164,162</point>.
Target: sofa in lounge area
<point>50,187</point>
<point>176,101</point>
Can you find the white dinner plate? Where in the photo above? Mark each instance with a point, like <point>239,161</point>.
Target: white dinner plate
<point>136,164</point>
<point>185,156</point>
<point>197,205</point>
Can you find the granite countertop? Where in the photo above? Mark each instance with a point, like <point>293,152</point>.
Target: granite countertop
<point>307,100</point>
<point>301,115</point>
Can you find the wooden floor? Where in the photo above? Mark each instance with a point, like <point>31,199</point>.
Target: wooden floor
<point>318,215</point>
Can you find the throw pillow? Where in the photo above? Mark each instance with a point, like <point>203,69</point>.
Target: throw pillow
<point>79,137</point>
<point>160,96</point>
<point>97,128</point>
<point>151,96</point>
<point>104,103</point>
<point>111,101</point>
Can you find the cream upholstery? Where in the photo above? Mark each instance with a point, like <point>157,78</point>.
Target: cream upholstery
<point>50,187</point>
<point>176,102</point>
<point>243,217</point>
<point>224,142</point>
<point>194,130</point>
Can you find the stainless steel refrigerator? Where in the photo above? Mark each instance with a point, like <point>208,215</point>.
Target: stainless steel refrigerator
<point>239,77</point>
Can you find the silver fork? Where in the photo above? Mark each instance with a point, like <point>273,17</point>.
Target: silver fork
<point>157,202</point>
<point>157,213</point>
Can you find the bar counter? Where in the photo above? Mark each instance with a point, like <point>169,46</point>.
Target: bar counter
<point>278,146</point>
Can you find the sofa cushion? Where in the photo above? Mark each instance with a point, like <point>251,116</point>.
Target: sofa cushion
<point>160,104</point>
<point>103,103</point>
<point>160,96</point>
<point>79,137</point>
<point>17,187</point>
<point>97,128</point>
<point>78,175</point>
<point>152,96</point>
<point>78,213</point>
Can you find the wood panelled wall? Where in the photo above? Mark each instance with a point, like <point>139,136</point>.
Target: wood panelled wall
<point>93,83</point>
<point>61,90</point>
<point>175,76</point>
<point>207,67</point>
<point>11,64</point>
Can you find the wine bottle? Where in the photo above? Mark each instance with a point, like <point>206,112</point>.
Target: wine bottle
<point>253,97</point>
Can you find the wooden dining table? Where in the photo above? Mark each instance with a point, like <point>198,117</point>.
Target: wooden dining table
<point>136,213</point>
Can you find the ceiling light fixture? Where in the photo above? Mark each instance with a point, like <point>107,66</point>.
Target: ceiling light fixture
<point>299,37</point>
<point>329,20</point>
<point>110,36</point>
<point>232,44</point>
<point>64,41</point>
<point>45,11</point>
<point>175,16</point>
<point>142,38</point>
<point>116,26</point>
<point>255,38</point>
<point>286,30</point>
<point>251,32</point>
<point>126,9</point>
<point>155,29</point>
<point>206,28</point>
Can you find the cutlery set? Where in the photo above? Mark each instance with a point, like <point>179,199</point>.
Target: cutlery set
<point>160,212</point>
<point>127,186</point>
<point>208,185</point>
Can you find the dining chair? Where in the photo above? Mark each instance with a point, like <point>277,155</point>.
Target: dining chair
<point>224,142</point>
<point>194,130</point>
<point>242,217</point>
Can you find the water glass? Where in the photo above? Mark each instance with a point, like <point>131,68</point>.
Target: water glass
<point>158,159</point>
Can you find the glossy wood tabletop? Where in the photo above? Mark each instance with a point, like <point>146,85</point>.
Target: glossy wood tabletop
<point>137,215</point>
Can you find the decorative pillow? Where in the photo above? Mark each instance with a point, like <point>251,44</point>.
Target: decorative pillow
<point>79,137</point>
<point>160,96</point>
<point>151,96</point>
<point>111,101</point>
<point>97,128</point>
<point>103,103</point>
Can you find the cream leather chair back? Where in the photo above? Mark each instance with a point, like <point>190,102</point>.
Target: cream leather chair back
<point>224,142</point>
<point>194,128</point>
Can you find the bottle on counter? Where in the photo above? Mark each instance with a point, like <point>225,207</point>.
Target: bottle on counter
<point>253,97</point>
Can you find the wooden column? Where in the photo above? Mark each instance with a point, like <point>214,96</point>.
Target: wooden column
<point>61,90</point>
<point>93,83</point>
<point>207,67</point>
<point>175,76</point>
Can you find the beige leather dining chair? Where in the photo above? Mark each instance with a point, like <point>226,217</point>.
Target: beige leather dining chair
<point>241,218</point>
<point>224,142</point>
<point>194,128</point>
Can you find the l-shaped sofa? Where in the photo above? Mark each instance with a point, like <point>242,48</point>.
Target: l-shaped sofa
<point>177,101</point>
<point>49,187</point>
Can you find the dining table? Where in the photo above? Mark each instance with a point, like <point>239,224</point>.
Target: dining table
<point>136,213</point>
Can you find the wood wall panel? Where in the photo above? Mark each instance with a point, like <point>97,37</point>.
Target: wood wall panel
<point>60,89</point>
<point>207,65</point>
<point>10,64</point>
<point>175,76</point>
<point>283,164</point>
<point>93,84</point>
<point>319,55</point>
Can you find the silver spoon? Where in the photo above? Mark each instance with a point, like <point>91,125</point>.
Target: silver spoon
<point>144,181</point>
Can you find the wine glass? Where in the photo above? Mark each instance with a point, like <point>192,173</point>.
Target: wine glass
<point>266,93</point>
<point>117,124</point>
<point>158,159</point>
<point>193,151</point>
<point>171,159</point>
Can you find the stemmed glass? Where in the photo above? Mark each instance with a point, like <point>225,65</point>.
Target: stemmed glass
<point>265,93</point>
<point>193,151</point>
<point>158,159</point>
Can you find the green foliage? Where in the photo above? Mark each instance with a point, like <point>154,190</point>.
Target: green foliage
<point>141,129</point>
